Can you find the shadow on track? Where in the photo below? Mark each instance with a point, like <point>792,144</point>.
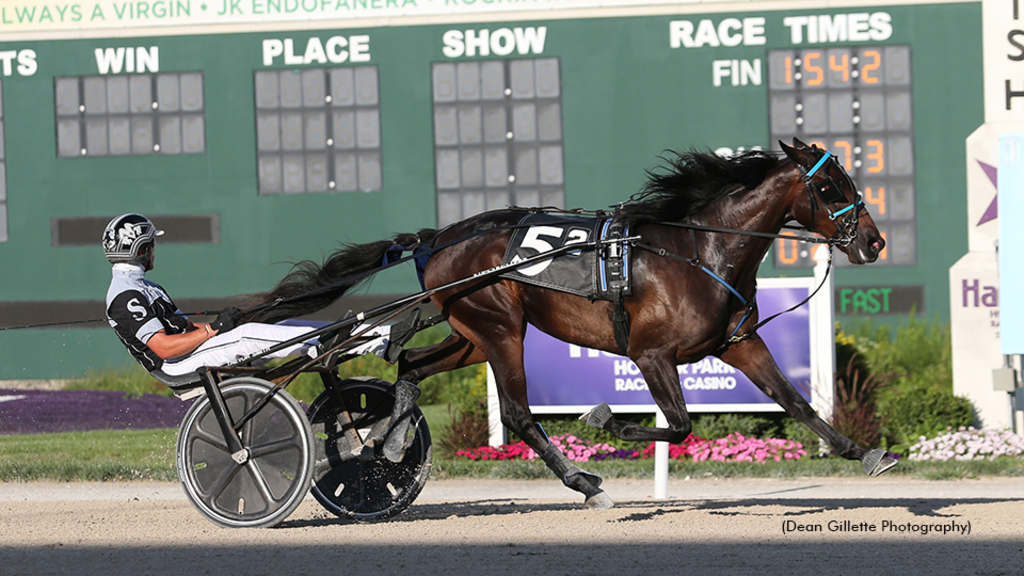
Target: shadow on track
<point>922,507</point>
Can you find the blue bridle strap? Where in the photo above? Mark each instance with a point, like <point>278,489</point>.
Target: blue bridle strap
<point>807,178</point>
<point>835,215</point>
<point>818,165</point>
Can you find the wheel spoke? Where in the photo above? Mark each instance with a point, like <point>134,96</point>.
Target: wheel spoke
<point>222,483</point>
<point>261,482</point>
<point>210,438</point>
<point>274,447</point>
<point>247,429</point>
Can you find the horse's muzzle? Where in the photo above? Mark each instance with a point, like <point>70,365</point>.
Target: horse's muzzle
<point>866,249</point>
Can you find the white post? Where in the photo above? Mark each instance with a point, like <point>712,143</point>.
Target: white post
<point>823,338</point>
<point>660,460</point>
<point>497,430</point>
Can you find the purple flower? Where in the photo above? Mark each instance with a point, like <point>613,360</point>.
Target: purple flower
<point>44,411</point>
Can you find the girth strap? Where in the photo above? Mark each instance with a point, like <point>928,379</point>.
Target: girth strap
<point>614,276</point>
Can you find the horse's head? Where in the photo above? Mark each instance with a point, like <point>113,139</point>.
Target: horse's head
<point>832,206</point>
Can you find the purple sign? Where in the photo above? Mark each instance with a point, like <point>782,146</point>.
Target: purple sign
<point>560,374</point>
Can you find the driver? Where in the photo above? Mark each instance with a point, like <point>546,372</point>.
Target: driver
<point>161,338</point>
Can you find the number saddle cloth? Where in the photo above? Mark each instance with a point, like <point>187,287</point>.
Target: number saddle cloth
<point>597,271</point>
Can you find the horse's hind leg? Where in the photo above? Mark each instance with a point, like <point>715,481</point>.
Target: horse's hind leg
<point>501,340</point>
<point>752,357</point>
<point>455,351</point>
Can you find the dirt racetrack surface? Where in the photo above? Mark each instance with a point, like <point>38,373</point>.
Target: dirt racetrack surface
<point>870,526</point>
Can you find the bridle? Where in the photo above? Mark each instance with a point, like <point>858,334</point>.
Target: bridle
<point>828,191</point>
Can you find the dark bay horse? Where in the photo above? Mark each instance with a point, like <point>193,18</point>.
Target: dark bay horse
<point>678,313</point>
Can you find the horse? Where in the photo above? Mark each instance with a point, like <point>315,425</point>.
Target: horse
<point>725,212</point>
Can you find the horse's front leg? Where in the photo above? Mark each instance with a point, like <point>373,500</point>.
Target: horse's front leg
<point>659,370</point>
<point>752,357</point>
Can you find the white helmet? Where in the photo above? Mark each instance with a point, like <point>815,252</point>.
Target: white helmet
<point>126,236</point>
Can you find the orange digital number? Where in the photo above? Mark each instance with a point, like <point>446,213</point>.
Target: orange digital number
<point>817,143</point>
<point>818,71</point>
<point>876,197</point>
<point>878,156</point>
<point>875,64</point>
<point>791,255</point>
<point>884,254</point>
<point>840,65</point>
<point>789,70</point>
<point>847,149</point>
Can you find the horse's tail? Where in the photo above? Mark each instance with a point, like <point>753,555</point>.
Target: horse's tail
<point>310,286</point>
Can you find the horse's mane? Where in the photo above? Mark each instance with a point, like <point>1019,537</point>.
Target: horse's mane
<point>692,180</point>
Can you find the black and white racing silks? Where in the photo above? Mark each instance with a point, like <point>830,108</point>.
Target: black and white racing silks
<point>137,309</point>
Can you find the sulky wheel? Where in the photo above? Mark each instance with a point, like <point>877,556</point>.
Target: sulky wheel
<point>271,483</point>
<point>365,486</point>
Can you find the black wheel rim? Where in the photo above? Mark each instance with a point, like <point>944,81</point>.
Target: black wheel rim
<point>360,489</point>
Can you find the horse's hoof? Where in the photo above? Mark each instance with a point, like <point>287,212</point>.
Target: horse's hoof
<point>877,461</point>
<point>598,416</point>
<point>600,501</point>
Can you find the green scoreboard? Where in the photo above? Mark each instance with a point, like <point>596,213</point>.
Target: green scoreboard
<point>856,102</point>
<point>260,132</point>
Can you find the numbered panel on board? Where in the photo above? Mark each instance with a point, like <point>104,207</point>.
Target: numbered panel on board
<point>857,103</point>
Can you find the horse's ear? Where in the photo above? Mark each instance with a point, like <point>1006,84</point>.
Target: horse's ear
<point>789,150</point>
<point>798,143</point>
<point>801,156</point>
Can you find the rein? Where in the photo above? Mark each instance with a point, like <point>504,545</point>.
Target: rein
<point>695,262</point>
<point>94,320</point>
<point>389,262</point>
<point>846,233</point>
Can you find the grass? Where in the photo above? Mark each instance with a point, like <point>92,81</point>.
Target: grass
<point>101,455</point>
<point>115,455</point>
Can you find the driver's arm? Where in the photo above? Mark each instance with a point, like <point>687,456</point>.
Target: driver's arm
<point>171,345</point>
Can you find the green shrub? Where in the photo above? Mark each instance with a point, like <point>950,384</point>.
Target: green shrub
<point>924,412</point>
<point>467,429</point>
<point>849,348</point>
<point>919,353</point>
<point>920,400</point>
<point>856,404</point>
<point>713,426</point>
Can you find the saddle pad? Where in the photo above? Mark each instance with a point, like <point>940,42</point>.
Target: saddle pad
<point>572,272</point>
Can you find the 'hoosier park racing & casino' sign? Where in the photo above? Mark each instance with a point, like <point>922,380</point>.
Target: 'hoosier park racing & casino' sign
<point>564,377</point>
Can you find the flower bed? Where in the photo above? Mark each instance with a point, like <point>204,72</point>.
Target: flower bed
<point>737,448</point>
<point>968,444</point>
<point>45,411</point>
<point>734,447</point>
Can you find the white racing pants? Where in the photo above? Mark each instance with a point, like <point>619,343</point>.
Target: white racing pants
<point>253,338</point>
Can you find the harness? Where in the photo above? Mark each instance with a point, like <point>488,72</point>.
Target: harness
<point>828,191</point>
<point>615,241</point>
<point>846,232</point>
